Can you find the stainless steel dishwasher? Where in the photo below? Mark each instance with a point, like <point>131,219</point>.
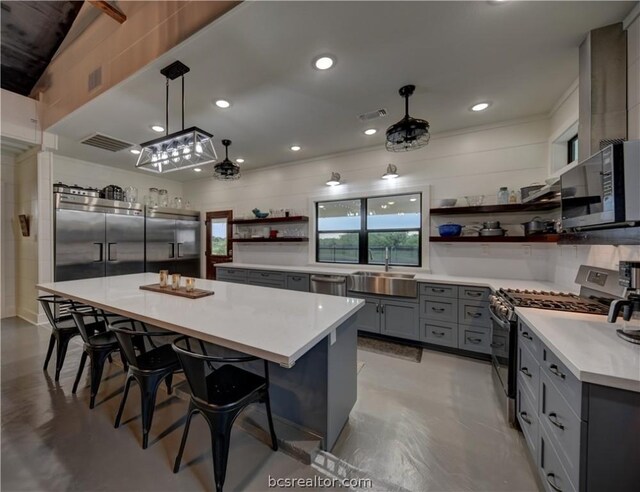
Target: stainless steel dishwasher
<point>334,285</point>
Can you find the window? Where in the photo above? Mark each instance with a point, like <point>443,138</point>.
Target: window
<point>361,230</point>
<point>572,149</point>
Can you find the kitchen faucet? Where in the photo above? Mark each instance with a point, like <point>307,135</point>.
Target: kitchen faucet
<point>386,259</point>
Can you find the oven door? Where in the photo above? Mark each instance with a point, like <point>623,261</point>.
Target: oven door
<point>503,353</point>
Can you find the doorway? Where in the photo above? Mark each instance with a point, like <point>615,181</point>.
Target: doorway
<point>219,245</point>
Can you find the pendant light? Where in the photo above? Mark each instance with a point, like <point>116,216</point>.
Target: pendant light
<point>408,133</point>
<point>184,149</point>
<point>226,170</point>
<point>392,172</point>
<point>334,180</point>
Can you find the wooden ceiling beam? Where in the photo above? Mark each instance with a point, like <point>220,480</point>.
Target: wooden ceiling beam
<point>110,10</point>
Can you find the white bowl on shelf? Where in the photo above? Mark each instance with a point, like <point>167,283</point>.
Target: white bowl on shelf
<point>446,202</point>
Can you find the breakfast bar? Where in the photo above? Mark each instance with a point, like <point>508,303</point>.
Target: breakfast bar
<point>310,339</point>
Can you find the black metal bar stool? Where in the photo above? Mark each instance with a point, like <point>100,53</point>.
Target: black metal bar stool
<point>99,344</point>
<point>147,367</point>
<point>220,395</point>
<point>63,328</point>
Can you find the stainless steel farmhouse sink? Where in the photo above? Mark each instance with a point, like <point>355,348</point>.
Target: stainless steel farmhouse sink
<point>384,283</point>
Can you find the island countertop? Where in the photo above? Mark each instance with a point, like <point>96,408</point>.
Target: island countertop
<point>273,324</point>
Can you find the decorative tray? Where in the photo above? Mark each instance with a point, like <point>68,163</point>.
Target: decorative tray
<point>181,292</point>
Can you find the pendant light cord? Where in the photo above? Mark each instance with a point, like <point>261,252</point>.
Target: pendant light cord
<point>182,102</point>
<point>166,108</point>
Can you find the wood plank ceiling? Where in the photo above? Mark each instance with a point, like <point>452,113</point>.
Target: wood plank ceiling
<point>31,35</point>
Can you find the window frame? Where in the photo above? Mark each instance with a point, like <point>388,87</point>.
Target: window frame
<point>571,154</point>
<point>363,232</point>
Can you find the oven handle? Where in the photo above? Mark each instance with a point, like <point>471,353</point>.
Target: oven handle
<point>499,321</point>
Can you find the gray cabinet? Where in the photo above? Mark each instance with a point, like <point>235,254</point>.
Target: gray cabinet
<point>474,313</point>
<point>368,318</point>
<point>439,310</point>
<point>439,290</point>
<point>439,333</point>
<point>399,319</point>
<point>474,338</point>
<point>266,279</point>
<point>235,275</point>
<point>297,281</point>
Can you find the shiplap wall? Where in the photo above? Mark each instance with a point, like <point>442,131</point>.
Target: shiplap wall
<point>466,162</point>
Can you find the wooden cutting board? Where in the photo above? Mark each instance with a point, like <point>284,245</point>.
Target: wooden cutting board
<point>181,292</point>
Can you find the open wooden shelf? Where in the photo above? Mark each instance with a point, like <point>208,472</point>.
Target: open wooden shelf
<point>272,240</point>
<point>537,238</point>
<point>271,220</point>
<point>497,209</point>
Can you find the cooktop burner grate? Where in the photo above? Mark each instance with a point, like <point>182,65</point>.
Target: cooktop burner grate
<point>556,301</point>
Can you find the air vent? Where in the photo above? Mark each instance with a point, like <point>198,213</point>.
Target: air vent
<point>372,115</point>
<point>106,142</point>
<point>95,79</point>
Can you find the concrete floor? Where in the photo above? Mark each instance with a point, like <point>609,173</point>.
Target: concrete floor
<point>429,426</point>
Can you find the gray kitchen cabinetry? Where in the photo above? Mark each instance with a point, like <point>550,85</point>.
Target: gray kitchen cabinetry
<point>581,436</point>
<point>266,279</point>
<point>235,275</point>
<point>297,281</point>
<point>439,333</point>
<point>368,318</point>
<point>388,316</point>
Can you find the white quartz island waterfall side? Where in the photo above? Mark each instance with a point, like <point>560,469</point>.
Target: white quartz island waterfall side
<point>310,339</point>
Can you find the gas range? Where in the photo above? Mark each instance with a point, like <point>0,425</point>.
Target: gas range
<point>505,300</point>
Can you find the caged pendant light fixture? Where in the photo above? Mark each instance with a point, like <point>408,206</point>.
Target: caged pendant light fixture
<point>226,170</point>
<point>408,133</point>
<point>184,149</point>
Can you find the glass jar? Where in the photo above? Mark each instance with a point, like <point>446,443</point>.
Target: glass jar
<point>177,202</point>
<point>503,195</point>
<point>513,198</point>
<point>131,194</point>
<point>153,197</point>
<point>163,198</point>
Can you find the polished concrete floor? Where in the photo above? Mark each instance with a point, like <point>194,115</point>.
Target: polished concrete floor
<point>433,425</point>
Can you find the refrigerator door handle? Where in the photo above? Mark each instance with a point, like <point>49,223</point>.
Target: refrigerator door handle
<point>179,255</point>
<point>100,253</point>
<point>173,250</point>
<point>110,255</point>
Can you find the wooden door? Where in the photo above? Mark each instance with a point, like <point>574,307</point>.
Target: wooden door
<point>219,245</point>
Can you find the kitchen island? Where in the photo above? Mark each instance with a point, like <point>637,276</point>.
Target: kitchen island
<point>310,339</point>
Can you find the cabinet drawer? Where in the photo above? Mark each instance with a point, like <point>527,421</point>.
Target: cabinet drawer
<point>475,339</point>
<point>440,310</point>
<point>439,290</point>
<point>567,384</point>
<point>528,373</point>
<point>262,276</point>
<point>528,418</point>
<point>563,427</point>
<point>526,338</point>
<point>554,476</point>
<point>230,274</point>
<point>298,281</point>
<point>439,333</point>
<point>474,313</point>
<point>474,293</point>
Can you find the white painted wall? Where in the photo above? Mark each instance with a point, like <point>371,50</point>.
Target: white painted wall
<point>633,74</point>
<point>75,171</point>
<point>8,238</point>
<point>466,162</point>
<point>19,117</point>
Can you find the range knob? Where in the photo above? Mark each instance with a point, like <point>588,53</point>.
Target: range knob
<point>503,310</point>
<point>492,299</point>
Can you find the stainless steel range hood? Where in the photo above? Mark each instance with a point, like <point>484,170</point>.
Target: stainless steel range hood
<point>603,89</point>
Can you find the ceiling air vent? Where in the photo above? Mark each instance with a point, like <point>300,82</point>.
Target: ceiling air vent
<point>95,79</point>
<point>106,142</point>
<point>372,115</point>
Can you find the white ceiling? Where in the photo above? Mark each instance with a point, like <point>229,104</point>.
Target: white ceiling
<point>520,55</point>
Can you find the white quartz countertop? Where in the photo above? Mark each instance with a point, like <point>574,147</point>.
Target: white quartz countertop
<point>588,346</point>
<point>274,324</point>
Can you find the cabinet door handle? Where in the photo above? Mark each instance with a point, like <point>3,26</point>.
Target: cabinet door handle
<point>179,254</point>
<point>524,416</point>
<point>264,274</point>
<point>474,315</point>
<point>551,479</point>
<point>382,308</point>
<point>377,308</point>
<point>526,335</point>
<point>437,310</point>
<point>472,293</point>
<point>296,279</point>
<point>474,340</point>
<point>553,418</point>
<point>439,291</point>
<point>438,333</point>
<point>525,371</point>
<point>497,345</point>
<point>554,370</point>
<point>112,257</point>
<point>100,252</point>
<point>173,250</point>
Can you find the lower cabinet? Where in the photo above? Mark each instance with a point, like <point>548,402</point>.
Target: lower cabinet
<point>439,333</point>
<point>297,281</point>
<point>388,316</point>
<point>474,338</point>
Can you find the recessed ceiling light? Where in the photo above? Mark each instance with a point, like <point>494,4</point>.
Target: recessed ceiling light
<point>370,131</point>
<point>157,128</point>
<point>295,148</point>
<point>197,169</point>
<point>221,103</point>
<point>134,151</point>
<point>480,106</point>
<point>240,160</point>
<point>324,62</point>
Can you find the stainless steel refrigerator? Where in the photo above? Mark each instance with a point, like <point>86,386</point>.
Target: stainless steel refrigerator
<point>95,237</point>
<point>172,241</point>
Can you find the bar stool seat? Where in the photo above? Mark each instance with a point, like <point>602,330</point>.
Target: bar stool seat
<point>102,339</point>
<point>158,358</point>
<point>230,385</point>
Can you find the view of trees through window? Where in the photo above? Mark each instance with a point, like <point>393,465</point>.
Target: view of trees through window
<point>360,230</point>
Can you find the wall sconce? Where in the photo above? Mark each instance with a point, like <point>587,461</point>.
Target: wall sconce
<point>334,180</point>
<point>392,172</point>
